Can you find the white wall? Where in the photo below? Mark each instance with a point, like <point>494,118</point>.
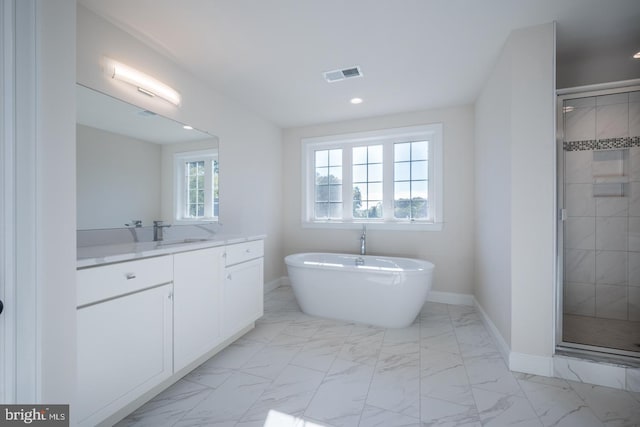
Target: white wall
<point>451,250</point>
<point>515,248</point>
<point>250,146</point>
<point>493,196</point>
<point>118,179</point>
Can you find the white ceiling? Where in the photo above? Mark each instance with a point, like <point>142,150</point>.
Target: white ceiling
<point>415,54</point>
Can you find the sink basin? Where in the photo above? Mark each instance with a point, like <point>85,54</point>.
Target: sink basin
<point>180,242</point>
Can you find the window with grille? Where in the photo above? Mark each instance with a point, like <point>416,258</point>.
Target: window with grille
<point>389,179</point>
<point>196,186</point>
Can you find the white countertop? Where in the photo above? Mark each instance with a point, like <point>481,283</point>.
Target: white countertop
<point>91,256</point>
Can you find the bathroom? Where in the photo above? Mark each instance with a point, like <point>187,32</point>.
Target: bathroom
<point>474,256</point>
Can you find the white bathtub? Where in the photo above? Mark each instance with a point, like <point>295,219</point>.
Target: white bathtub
<point>383,291</point>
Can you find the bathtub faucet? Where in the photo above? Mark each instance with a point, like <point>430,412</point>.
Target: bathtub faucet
<point>363,240</point>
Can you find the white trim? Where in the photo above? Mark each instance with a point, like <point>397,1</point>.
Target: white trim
<point>623,84</point>
<point>531,364</point>
<point>8,380</point>
<point>450,298</point>
<point>518,362</point>
<point>503,347</point>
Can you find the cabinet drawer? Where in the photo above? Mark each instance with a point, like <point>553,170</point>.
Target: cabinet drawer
<point>244,251</point>
<point>100,283</point>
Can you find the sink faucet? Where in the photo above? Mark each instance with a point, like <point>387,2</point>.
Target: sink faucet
<point>363,240</point>
<point>158,227</point>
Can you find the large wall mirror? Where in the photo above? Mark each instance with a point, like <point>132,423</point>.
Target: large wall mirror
<point>127,161</point>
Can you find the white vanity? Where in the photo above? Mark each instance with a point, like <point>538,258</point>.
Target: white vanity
<point>148,313</point>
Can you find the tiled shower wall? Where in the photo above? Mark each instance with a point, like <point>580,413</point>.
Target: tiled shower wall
<point>602,202</point>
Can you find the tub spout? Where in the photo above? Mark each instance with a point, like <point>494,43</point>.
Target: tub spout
<point>363,240</point>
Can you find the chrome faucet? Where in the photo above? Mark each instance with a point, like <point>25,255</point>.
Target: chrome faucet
<point>363,240</point>
<point>158,227</point>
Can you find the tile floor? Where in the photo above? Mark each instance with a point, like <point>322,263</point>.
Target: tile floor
<point>444,370</point>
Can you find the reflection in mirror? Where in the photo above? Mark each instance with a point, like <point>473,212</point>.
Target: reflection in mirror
<point>126,165</point>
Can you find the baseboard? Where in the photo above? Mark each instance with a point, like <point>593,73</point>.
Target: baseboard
<point>518,362</point>
<point>276,283</point>
<point>503,347</point>
<point>531,364</point>
<point>450,298</point>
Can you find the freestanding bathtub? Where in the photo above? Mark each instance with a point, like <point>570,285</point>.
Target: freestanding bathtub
<point>380,291</point>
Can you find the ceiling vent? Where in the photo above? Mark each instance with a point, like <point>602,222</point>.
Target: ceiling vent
<point>346,73</point>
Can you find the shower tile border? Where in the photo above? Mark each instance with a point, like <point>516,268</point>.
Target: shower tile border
<point>602,144</point>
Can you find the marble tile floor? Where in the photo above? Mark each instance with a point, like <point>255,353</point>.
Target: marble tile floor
<point>610,333</point>
<point>444,370</point>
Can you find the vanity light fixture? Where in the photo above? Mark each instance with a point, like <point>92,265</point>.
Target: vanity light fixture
<point>144,83</point>
<point>356,100</point>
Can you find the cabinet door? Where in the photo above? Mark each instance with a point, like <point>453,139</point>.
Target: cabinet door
<point>124,349</point>
<point>242,295</point>
<point>196,310</point>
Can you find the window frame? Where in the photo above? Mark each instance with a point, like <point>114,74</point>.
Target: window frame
<point>387,137</point>
<point>179,205</point>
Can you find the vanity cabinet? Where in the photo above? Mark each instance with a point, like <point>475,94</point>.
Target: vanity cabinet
<point>143,323</point>
<point>124,320</point>
<point>197,302</point>
<point>242,289</point>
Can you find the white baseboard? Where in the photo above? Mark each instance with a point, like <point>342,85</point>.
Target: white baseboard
<point>450,298</point>
<point>503,347</point>
<point>518,362</point>
<point>531,364</point>
<point>276,283</point>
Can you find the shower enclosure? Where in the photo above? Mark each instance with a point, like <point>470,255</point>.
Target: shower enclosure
<point>599,231</point>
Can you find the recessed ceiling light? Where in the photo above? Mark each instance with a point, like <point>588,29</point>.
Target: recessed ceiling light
<point>637,55</point>
<point>187,127</point>
<point>356,100</point>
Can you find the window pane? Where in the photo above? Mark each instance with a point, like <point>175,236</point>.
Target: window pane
<point>322,210</point>
<point>201,196</point>
<point>335,175</point>
<point>402,171</point>
<point>359,155</point>
<point>419,170</point>
<point>360,173</point>
<point>402,152</point>
<point>419,150</point>
<point>375,209</point>
<point>360,191</point>
<point>200,210</point>
<point>322,175</point>
<point>335,193</point>
<point>402,190</point>
<point>335,210</point>
<point>322,193</point>
<point>375,154</point>
<point>322,158</point>
<point>375,173</point>
<point>419,208</point>
<point>375,191</point>
<point>420,189</point>
<point>192,211</point>
<point>335,157</point>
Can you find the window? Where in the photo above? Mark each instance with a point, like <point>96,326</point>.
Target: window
<point>196,177</point>
<point>389,179</point>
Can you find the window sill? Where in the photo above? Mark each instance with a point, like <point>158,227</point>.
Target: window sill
<point>196,221</point>
<point>399,226</point>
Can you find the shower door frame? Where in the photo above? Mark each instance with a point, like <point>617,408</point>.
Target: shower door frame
<point>561,96</point>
